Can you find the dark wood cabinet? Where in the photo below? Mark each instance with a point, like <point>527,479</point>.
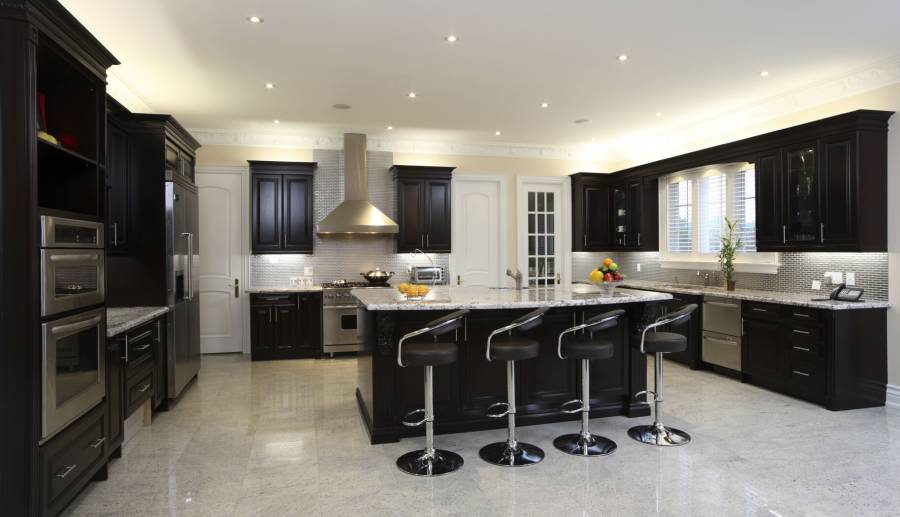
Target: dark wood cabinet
<point>591,213</point>
<point>769,229</point>
<point>629,213</point>
<point>145,369</point>
<point>834,358</point>
<point>837,187</point>
<point>693,330</point>
<point>285,325</point>
<point>423,208</point>
<point>281,207</point>
<point>115,387</point>
<point>118,182</point>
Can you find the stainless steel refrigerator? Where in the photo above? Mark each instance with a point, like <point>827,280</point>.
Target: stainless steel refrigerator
<point>182,288</point>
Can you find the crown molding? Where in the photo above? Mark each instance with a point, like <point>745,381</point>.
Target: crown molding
<point>245,139</point>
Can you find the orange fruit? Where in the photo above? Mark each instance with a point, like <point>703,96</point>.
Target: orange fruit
<point>404,288</point>
<point>607,261</point>
<point>421,290</point>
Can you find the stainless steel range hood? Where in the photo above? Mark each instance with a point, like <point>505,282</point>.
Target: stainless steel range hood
<point>355,215</point>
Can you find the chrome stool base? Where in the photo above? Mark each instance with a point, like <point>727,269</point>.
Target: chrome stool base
<point>418,463</point>
<point>661,435</point>
<point>501,454</point>
<point>577,445</point>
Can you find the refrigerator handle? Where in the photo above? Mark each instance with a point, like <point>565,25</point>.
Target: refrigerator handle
<point>190,268</point>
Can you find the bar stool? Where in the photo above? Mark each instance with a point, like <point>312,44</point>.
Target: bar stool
<point>659,343</point>
<point>586,349</point>
<point>510,348</point>
<point>430,461</point>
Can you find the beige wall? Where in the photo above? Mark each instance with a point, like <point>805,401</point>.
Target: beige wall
<point>887,98</point>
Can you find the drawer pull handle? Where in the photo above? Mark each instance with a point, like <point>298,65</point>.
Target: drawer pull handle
<point>798,372</point>
<point>142,335</point>
<point>802,349</point>
<point>801,332</point>
<point>757,309</point>
<point>145,388</point>
<point>801,315</point>
<point>97,443</point>
<point>142,348</point>
<point>66,471</point>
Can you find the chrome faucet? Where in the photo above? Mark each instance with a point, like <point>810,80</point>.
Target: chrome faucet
<point>517,277</point>
<point>705,279</point>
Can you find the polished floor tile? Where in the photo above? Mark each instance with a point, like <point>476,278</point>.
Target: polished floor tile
<point>284,438</point>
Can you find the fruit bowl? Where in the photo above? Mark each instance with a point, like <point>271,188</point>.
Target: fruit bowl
<point>413,291</point>
<point>609,287</point>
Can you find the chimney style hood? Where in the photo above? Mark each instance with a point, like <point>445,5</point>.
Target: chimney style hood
<point>355,215</point>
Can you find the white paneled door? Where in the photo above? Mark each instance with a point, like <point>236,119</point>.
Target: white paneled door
<point>220,271</point>
<point>479,222</point>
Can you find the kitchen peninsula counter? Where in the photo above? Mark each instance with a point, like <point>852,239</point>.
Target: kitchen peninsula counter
<point>464,390</point>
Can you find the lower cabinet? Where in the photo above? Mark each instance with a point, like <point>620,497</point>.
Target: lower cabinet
<point>71,459</point>
<point>836,358</point>
<point>285,326</point>
<point>115,389</point>
<point>693,330</point>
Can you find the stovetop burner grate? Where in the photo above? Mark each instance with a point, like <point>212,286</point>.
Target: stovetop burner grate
<point>343,284</point>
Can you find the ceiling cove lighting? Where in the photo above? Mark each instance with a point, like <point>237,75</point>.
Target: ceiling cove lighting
<point>254,19</point>
<point>411,95</point>
<point>622,57</point>
<point>764,73</point>
<point>451,38</point>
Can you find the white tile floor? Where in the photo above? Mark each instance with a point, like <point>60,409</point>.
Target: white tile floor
<point>284,438</point>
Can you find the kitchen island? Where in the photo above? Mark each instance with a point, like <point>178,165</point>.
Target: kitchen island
<point>463,391</point>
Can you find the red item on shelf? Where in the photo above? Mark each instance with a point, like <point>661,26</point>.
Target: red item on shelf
<point>68,141</point>
<point>42,110</point>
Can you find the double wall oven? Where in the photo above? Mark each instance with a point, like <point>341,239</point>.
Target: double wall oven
<point>73,328</point>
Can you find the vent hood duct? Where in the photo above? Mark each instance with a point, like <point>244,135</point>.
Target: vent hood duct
<point>355,215</point>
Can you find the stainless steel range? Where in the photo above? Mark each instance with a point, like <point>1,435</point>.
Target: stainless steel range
<point>340,320</point>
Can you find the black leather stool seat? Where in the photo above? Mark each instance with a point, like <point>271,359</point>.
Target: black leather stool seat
<point>430,354</point>
<point>663,342</point>
<point>587,348</point>
<point>514,348</point>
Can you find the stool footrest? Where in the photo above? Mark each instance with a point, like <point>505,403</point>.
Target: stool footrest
<point>505,412</point>
<point>566,409</point>
<point>405,420</point>
<point>646,394</point>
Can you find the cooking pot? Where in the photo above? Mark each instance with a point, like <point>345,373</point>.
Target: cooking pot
<point>377,276</point>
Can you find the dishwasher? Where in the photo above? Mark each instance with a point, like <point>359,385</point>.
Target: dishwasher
<point>722,332</point>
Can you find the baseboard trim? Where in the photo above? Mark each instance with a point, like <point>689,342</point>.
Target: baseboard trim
<point>892,398</point>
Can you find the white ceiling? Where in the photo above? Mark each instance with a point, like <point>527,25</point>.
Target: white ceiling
<point>202,61</point>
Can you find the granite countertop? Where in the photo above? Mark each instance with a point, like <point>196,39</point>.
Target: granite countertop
<point>452,298</point>
<point>284,289</point>
<point>780,297</point>
<point>123,319</point>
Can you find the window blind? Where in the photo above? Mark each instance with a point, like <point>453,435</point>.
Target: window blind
<point>744,210</point>
<point>679,216</point>
<point>711,213</point>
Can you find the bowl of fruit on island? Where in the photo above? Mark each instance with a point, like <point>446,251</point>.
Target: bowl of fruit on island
<point>413,291</point>
<point>607,276</point>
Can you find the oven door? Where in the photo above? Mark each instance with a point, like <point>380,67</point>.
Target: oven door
<point>340,325</point>
<point>59,232</point>
<point>74,368</point>
<point>71,279</point>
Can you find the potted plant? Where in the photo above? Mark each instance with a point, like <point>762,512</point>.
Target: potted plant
<point>730,245</point>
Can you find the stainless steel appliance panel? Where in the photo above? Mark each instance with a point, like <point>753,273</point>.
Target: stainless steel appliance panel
<point>71,279</point>
<point>59,232</point>
<point>427,275</point>
<point>182,217</point>
<point>341,326</point>
<point>722,350</point>
<point>73,352</point>
<point>722,315</point>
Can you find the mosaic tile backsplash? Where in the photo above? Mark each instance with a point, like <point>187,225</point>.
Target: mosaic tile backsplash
<point>796,274</point>
<point>343,257</point>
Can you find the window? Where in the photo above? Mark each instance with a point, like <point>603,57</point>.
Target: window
<point>541,237</point>
<point>694,205</point>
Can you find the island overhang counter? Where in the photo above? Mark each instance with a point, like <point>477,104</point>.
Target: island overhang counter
<point>464,390</point>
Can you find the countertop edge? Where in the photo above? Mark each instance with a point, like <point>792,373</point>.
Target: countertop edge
<point>141,315</point>
<point>279,290</point>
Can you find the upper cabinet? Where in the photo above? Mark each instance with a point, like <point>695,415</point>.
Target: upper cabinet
<point>281,207</point>
<point>611,212</point>
<point>423,208</point>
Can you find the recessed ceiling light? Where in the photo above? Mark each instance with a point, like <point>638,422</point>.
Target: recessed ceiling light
<point>411,95</point>
<point>276,121</point>
<point>270,86</point>
<point>582,121</point>
<point>254,19</point>
<point>764,73</point>
<point>390,128</point>
<point>451,38</point>
<point>623,57</point>
<point>341,106</point>
<point>658,113</point>
<point>545,105</point>
<point>496,133</point>
<point>593,139</point>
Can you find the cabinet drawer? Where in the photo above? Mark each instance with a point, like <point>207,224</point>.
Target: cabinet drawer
<point>803,315</point>
<point>138,391</point>
<point>760,310</point>
<point>271,299</point>
<point>803,350</point>
<point>807,378</point>
<point>69,458</point>
<point>139,344</point>
<point>800,333</point>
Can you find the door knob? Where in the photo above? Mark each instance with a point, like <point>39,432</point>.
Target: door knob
<point>236,288</point>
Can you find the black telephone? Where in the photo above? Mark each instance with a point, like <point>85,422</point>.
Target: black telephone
<point>844,294</point>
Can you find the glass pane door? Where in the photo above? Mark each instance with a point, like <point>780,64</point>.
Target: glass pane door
<point>802,196</point>
<point>543,236</point>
